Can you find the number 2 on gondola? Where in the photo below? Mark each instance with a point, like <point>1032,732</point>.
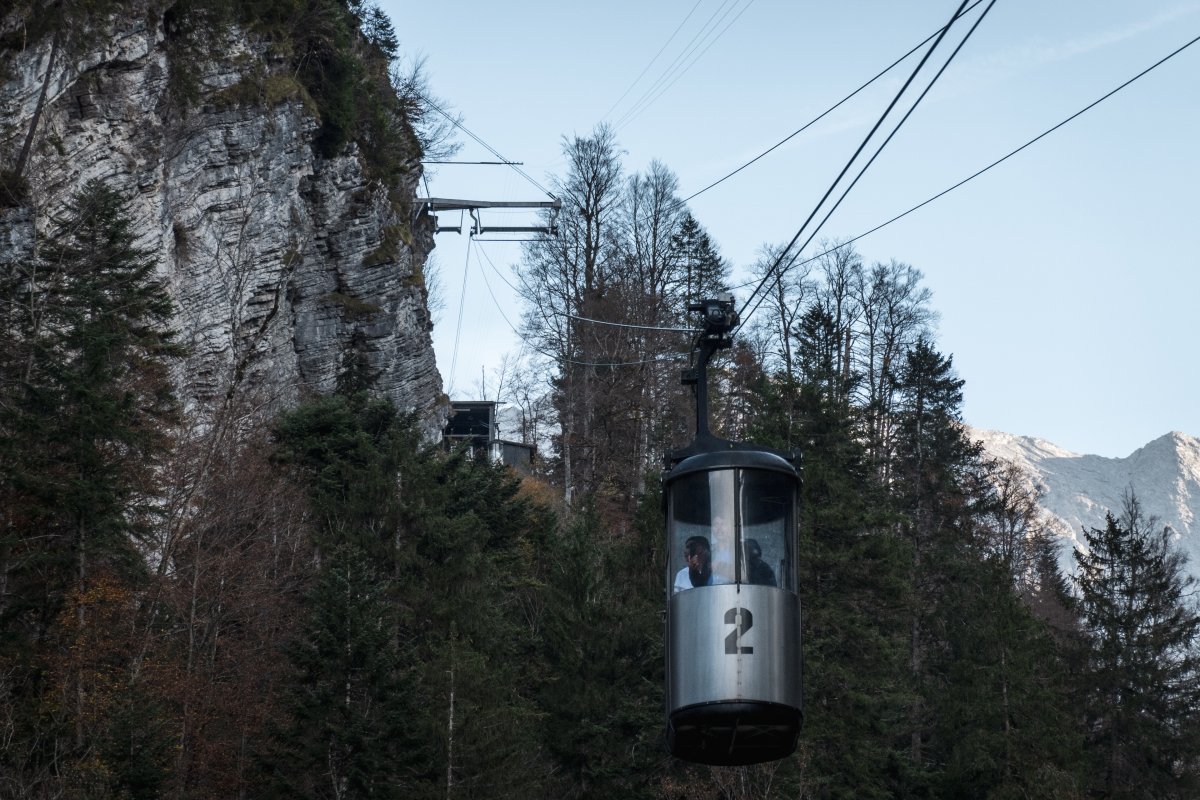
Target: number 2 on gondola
<point>743,619</point>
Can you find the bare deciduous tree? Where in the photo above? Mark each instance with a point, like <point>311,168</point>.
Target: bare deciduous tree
<point>567,275</point>
<point>430,116</point>
<point>894,313</point>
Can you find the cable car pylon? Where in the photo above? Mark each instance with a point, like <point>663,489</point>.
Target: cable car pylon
<point>434,204</point>
<point>734,669</point>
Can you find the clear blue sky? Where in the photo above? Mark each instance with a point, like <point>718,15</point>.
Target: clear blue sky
<point>1066,279</point>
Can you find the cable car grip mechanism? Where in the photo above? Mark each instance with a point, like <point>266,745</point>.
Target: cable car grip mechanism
<point>720,319</point>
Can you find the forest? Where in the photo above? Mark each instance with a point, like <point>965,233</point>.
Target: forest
<point>316,601</point>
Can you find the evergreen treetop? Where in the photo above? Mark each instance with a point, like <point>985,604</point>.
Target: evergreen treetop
<point>1143,677</point>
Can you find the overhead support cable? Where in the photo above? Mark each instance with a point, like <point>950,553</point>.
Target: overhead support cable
<point>559,357</point>
<point>995,163</point>
<point>567,315</point>
<point>626,324</point>
<point>674,71</point>
<point>528,293</point>
<point>769,274</point>
<point>485,145</point>
<point>690,64</point>
<point>499,274</point>
<point>462,301</point>
<point>962,11</point>
<point>646,69</point>
<point>552,355</point>
<point>827,111</point>
<point>670,68</point>
<point>525,343</point>
<point>799,250</point>
<point>478,163</point>
<point>676,357</point>
<point>488,284</point>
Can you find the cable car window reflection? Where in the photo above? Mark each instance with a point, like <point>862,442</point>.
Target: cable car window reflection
<point>702,530</point>
<point>767,510</point>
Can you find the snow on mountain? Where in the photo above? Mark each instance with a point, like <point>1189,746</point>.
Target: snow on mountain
<point>1080,489</point>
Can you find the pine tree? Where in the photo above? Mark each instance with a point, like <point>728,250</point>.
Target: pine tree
<point>1003,718</point>
<point>931,456</point>
<point>475,605</point>
<point>349,451</point>
<point>1006,720</point>
<point>378,30</point>
<point>603,646</point>
<point>90,401</point>
<point>1143,676</point>
<point>352,730</point>
<point>855,588</point>
<point>703,272</point>
<point>84,421</point>
<point>456,545</point>
<point>854,580</point>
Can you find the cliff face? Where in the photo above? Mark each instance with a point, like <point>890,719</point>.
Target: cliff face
<point>285,266</point>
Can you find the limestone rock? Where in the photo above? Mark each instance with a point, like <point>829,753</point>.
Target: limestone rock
<point>282,264</point>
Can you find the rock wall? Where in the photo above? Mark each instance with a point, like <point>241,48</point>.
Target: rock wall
<point>283,264</point>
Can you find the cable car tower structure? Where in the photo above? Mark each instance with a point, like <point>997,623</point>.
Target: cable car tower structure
<point>434,204</point>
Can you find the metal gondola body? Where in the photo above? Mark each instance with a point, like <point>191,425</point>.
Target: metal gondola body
<point>734,667</point>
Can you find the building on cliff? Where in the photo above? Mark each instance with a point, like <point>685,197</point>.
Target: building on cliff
<point>475,425</point>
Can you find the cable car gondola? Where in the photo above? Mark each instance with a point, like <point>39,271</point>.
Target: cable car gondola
<point>733,654</point>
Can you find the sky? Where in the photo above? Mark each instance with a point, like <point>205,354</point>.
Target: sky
<point>1066,279</point>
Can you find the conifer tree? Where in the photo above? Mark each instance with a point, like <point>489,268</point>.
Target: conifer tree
<point>1048,595</point>
<point>84,421</point>
<point>454,545</point>
<point>603,649</point>
<point>349,451</point>
<point>1143,676</point>
<point>1004,720</point>
<point>853,574</point>
<point>352,730</point>
<point>474,606</point>
<point>1007,712</point>
<point>932,457</point>
<point>991,708</point>
<point>89,406</point>
<point>698,263</point>
<point>378,30</point>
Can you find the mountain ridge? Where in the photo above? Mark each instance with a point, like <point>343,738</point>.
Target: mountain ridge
<point>1078,489</point>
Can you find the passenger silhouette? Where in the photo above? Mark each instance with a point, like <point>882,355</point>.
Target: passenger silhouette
<point>698,557</point>
<point>758,571</point>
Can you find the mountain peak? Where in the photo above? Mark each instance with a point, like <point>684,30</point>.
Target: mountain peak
<point>1175,447</point>
<point>1174,439</point>
<point>1014,447</point>
<point>1080,489</point>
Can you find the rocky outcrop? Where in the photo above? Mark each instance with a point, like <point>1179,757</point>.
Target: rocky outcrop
<point>284,265</point>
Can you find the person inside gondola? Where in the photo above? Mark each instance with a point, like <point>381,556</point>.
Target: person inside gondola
<point>758,571</point>
<point>698,557</point>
